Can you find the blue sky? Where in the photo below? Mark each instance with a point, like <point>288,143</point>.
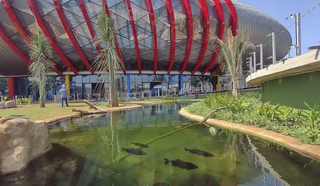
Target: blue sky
<point>280,9</point>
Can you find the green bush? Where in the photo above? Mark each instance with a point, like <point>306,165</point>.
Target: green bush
<point>169,98</point>
<point>248,109</point>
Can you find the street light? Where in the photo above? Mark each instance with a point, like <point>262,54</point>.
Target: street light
<point>297,18</point>
<point>273,37</point>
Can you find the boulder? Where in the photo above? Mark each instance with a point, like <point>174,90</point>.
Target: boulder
<point>2,105</point>
<point>10,104</point>
<point>21,140</point>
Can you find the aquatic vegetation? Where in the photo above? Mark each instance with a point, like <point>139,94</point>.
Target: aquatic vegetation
<point>248,109</point>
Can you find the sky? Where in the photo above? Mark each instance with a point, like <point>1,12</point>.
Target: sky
<point>281,9</point>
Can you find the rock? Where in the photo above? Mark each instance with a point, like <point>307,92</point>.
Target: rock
<point>2,105</point>
<point>10,104</point>
<point>21,140</point>
<point>3,120</point>
<point>14,159</point>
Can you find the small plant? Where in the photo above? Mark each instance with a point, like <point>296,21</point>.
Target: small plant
<point>4,99</point>
<point>120,100</point>
<point>312,116</point>
<point>19,101</point>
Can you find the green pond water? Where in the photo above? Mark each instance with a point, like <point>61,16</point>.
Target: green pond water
<point>88,151</point>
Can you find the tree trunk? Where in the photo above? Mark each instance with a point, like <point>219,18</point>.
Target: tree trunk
<point>234,88</point>
<point>113,96</point>
<point>42,94</point>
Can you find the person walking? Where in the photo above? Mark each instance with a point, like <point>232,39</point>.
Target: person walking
<point>64,95</point>
<point>196,94</point>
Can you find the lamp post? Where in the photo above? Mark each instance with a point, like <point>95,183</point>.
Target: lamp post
<point>297,18</point>
<point>254,61</point>
<point>273,38</point>
<point>261,56</point>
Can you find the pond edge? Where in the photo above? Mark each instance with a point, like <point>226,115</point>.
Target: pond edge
<point>307,150</point>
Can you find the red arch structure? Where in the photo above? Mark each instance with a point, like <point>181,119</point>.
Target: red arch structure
<point>134,31</point>
<point>46,32</point>
<point>234,27</point>
<point>73,40</point>
<point>105,4</point>
<point>220,34</point>
<point>14,48</point>
<point>187,7</point>
<point>172,34</point>
<point>86,18</point>
<point>154,32</point>
<point>205,36</point>
<point>19,27</point>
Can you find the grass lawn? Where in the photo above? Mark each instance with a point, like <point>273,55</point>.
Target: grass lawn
<point>52,110</point>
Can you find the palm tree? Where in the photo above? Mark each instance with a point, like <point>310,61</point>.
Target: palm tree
<point>107,60</point>
<point>40,51</point>
<point>232,49</point>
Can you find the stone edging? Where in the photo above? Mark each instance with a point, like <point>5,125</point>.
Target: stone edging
<point>310,151</point>
<point>75,115</point>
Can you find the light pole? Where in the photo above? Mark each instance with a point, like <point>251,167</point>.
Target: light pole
<point>254,61</point>
<point>250,64</point>
<point>273,38</point>
<point>297,17</point>
<point>261,56</point>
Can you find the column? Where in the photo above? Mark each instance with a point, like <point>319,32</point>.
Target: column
<point>218,83</point>
<point>180,82</point>
<point>10,87</point>
<point>68,83</point>
<point>128,84</point>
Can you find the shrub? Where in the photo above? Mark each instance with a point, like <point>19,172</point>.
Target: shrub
<point>247,108</point>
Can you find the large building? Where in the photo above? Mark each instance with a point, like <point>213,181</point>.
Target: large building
<point>160,42</point>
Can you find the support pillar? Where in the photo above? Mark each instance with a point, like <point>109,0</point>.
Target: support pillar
<point>218,84</point>
<point>180,82</point>
<point>68,83</point>
<point>128,84</point>
<point>10,87</point>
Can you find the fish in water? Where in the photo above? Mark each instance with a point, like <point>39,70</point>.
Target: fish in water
<point>134,151</point>
<point>161,184</point>
<point>199,152</point>
<point>140,145</point>
<point>181,164</point>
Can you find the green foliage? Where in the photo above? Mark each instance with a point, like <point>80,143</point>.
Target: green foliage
<point>247,108</point>
<point>40,53</point>
<point>4,99</point>
<point>24,100</point>
<point>120,100</point>
<point>169,98</point>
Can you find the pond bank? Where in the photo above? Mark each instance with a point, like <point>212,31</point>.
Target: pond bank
<point>310,151</point>
<point>75,115</point>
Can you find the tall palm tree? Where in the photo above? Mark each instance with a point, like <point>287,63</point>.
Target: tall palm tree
<point>107,60</point>
<point>40,52</point>
<point>232,49</point>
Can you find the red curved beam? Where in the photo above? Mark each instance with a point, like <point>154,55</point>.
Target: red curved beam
<point>234,17</point>
<point>234,25</point>
<point>154,31</point>
<point>14,19</point>
<point>19,53</point>
<point>172,34</point>
<point>104,2</point>
<point>46,32</point>
<point>215,70</point>
<point>13,47</point>
<point>189,34</point>
<point>220,34</point>
<point>73,40</point>
<point>86,18</point>
<point>134,31</point>
<point>205,37</point>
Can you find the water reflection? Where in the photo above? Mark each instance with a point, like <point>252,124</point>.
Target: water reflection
<point>87,151</point>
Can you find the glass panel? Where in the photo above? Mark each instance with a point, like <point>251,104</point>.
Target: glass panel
<point>44,7</point>
<point>54,30</point>
<point>53,18</point>
<point>92,8</point>
<point>73,7</point>
<point>72,19</point>
<point>24,18</point>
